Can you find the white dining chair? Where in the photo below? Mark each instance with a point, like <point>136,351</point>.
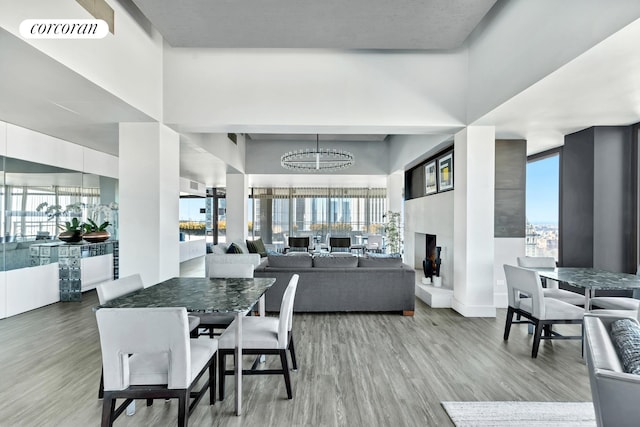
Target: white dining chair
<point>551,290</point>
<point>263,336</point>
<point>527,299</point>
<point>617,303</point>
<point>166,364</point>
<point>209,322</point>
<point>112,289</point>
<point>118,287</point>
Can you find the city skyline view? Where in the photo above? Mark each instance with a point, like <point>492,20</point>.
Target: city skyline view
<point>542,206</point>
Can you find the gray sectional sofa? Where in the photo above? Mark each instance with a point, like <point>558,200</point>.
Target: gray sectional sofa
<point>341,283</point>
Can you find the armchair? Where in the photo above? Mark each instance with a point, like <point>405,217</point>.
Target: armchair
<point>615,392</point>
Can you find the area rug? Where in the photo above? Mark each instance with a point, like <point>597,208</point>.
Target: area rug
<point>521,414</point>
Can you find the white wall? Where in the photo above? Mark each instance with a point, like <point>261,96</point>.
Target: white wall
<point>219,144</point>
<point>506,251</point>
<point>408,150</point>
<point>128,63</point>
<point>185,187</point>
<point>299,90</point>
<point>431,215</point>
<point>524,41</point>
<point>25,144</point>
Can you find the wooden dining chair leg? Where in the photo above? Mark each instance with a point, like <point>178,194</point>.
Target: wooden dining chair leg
<point>292,350</point>
<point>183,413</point>
<point>108,407</point>
<point>537,335</point>
<point>212,382</point>
<point>101,386</point>
<point>222,358</point>
<point>507,325</point>
<point>285,371</point>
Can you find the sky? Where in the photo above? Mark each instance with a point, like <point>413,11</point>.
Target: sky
<point>543,190</point>
<point>190,209</point>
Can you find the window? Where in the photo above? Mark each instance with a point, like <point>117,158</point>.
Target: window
<point>543,186</point>
<point>192,217</point>
<point>282,212</point>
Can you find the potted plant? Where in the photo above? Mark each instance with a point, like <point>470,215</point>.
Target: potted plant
<point>72,231</point>
<point>392,230</point>
<point>95,233</point>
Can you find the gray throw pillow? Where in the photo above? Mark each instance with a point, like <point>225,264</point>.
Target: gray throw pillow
<point>279,261</point>
<point>335,262</point>
<point>380,262</point>
<point>625,334</point>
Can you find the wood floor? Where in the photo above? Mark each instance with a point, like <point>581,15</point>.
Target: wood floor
<point>354,370</point>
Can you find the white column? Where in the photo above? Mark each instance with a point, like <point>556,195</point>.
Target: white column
<point>473,252</point>
<point>149,172</point>
<point>395,191</point>
<point>395,199</point>
<point>237,216</point>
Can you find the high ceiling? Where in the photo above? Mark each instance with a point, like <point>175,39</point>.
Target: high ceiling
<point>329,24</point>
<point>597,88</point>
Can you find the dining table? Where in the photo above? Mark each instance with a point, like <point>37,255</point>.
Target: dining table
<point>591,279</point>
<point>204,295</point>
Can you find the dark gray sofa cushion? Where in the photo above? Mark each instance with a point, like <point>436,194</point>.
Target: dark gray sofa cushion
<point>282,261</point>
<point>625,334</point>
<point>335,262</point>
<point>380,262</point>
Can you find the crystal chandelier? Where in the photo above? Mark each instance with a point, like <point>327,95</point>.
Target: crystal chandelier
<point>320,159</point>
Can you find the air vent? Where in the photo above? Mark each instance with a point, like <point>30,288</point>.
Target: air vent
<point>193,185</point>
<point>233,137</point>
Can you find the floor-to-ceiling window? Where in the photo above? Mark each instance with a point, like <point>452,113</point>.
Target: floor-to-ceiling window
<point>278,213</point>
<point>543,186</point>
<point>192,217</point>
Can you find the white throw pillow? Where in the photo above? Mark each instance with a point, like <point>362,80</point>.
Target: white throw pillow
<point>219,249</point>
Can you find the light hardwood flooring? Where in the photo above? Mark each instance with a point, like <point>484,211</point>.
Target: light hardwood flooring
<point>354,370</point>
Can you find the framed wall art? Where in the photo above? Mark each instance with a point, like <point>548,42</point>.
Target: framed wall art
<point>431,178</point>
<point>445,172</point>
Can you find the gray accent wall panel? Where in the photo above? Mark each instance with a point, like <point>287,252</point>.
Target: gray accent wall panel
<point>510,187</point>
<point>597,199</point>
<point>612,209</point>
<point>576,200</point>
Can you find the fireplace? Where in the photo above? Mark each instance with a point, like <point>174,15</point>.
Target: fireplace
<point>427,254</point>
<point>431,262</point>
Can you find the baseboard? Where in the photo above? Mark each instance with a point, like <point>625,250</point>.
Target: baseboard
<point>473,311</point>
<point>500,299</point>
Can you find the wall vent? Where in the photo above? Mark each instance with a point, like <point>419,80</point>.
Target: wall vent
<point>193,185</point>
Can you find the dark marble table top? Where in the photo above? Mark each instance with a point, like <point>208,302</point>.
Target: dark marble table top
<point>197,294</point>
<point>592,278</point>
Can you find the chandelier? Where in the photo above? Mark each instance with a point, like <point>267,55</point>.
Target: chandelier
<point>320,159</point>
